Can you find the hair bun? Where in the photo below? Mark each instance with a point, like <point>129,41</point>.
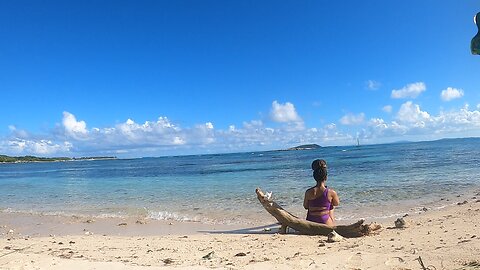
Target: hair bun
<point>319,163</point>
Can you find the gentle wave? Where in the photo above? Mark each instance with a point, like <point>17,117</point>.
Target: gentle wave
<point>165,215</point>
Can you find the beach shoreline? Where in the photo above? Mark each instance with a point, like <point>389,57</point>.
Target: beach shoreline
<point>374,183</point>
<point>34,223</point>
<point>445,238</point>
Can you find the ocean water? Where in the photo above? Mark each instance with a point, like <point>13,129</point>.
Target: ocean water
<point>373,181</point>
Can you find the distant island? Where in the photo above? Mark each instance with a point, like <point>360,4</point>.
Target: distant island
<point>9,159</point>
<point>304,147</point>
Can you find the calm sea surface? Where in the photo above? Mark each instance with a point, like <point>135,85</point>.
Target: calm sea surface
<point>372,181</point>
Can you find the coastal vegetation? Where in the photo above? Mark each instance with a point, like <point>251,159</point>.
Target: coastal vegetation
<point>10,159</point>
<point>305,147</point>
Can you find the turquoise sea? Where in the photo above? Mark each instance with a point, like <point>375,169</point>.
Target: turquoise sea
<point>373,181</point>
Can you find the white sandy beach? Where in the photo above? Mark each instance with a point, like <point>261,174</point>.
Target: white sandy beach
<point>448,238</point>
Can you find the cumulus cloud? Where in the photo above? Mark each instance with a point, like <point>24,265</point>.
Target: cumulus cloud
<point>463,119</point>
<point>352,119</point>
<point>373,85</point>
<point>37,147</point>
<point>378,127</point>
<point>161,131</point>
<point>387,108</point>
<point>451,93</point>
<point>411,113</point>
<point>201,134</point>
<point>162,136</point>
<point>378,123</point>
<point>73,127</point>
<point>409,91</point>
<point>284,113</point>
<point>411,120</point>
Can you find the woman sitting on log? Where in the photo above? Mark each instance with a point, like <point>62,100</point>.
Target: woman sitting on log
<point>320,200</point>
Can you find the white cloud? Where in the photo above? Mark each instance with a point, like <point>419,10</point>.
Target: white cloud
<point>373,85</point>
<point>409,91</point>
<point>411,113</point>
<point>253,124</point>
<point>412,121</point>
<point>463,118</point>
<point>284,113</point>
<point>380,128</point>
<point>178,141</point>
<point>295,126</point>
<point>201,134</point>
<point>387,108</point>
<point>352,119</point>
<point>72,126</point>
<point>209,125</point>
<point>161,136</point>
<point>35,147</point>
<point>398,128</point>
<point>451,93</point>
<point>161,130</point>
<point>377,122</point>
<point>331,126</point>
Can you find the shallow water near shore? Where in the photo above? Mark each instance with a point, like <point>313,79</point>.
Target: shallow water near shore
<point>373,181</point>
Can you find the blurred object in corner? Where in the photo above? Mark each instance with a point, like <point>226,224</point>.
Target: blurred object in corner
<point>475,45</point>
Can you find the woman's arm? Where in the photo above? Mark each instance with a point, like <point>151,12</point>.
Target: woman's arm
<point>305,200</point>
<point>335,202</point>
<point>332,215</point>
<point>335,199</point>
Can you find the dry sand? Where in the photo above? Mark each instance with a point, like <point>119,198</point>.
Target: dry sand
<point>448,238</point>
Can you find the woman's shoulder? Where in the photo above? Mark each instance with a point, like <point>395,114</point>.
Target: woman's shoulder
<point>331,190</point>
<point>311,191</point>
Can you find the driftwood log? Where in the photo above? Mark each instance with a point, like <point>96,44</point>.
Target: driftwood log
<point>286,219</point>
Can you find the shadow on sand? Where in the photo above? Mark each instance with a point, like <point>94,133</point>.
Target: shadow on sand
<point>266,229</point>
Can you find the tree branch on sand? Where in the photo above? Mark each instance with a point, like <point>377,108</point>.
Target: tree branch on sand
<point>286,219</point>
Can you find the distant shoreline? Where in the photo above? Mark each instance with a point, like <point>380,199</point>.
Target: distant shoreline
<point>269,150</point>
<point>31,159</point>
<point>303,147</point>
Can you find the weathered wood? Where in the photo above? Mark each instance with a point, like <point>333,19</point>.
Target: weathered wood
<point>286,219</point>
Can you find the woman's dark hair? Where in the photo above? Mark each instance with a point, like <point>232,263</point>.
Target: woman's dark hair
<point>319,163</point>
<point>320,174</point>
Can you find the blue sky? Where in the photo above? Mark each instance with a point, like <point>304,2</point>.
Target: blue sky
<point>152,78</point>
